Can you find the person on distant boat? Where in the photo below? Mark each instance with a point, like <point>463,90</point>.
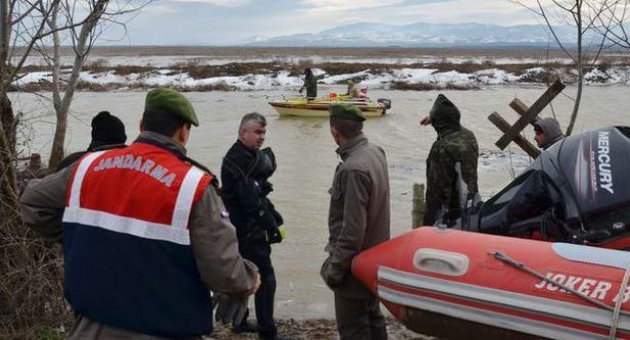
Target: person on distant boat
<point>352,90</point>
<point>358,219</point>
<point>547,132</point>
<point>310,84</point>
<point>363,92</point>
<point>455,145</point>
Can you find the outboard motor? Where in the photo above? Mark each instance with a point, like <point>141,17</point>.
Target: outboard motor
<point>385,103</point>
<point>576,191</point>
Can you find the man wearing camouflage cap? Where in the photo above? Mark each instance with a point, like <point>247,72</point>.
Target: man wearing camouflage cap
<point>451,165</point>
<point>145,234</point>
<point>358,219</point>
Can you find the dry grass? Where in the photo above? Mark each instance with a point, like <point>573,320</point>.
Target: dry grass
<point>476,60</point>
<point>281,52</point>
<point>124,70</point>
<point>221,86</point>
<point>345,68</point>
<point>404,86</point>
<point>541,77</point>
<point>31,282</point>
<point>94,87</point>
<point>96,66</point>
<point>465,67</point>
<point>200,71</point>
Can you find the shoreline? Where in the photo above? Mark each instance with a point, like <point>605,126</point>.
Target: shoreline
<point>206,69</point>
<point>308,329</point>
<point>258,51</point>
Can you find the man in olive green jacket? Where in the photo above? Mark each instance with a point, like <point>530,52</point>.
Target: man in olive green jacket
<point>358,219</point>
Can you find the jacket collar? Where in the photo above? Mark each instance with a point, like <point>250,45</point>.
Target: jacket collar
<point>168,142</point>
<point>246,149</point>
<point>345,150</point>
<point>241,156</point>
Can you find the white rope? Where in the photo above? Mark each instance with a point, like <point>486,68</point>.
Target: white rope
<point>617,311</point>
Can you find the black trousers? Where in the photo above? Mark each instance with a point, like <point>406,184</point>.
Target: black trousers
<point>260,255</point>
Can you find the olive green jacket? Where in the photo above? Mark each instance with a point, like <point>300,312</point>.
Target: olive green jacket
<point>310,83</point>
<point>359,213</point>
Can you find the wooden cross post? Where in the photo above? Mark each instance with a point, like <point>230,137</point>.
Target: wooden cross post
<point>521,141</point>
<point>528,116</point>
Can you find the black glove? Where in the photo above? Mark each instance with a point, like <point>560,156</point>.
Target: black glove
<point>230,309</point>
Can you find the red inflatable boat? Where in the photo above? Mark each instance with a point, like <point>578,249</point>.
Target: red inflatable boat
<point>464,285</point>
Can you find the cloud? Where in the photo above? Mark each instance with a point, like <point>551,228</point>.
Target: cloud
<point>220,21</point>
<point>344,5</point>
<point>158,9</point>
<point>221,3</point>
<point>457,11</point>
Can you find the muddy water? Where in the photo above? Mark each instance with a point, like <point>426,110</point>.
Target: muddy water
<point>306,158</point>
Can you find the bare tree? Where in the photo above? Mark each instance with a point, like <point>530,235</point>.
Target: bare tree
<point>30,270</point>
<point>617,30</point>
<point>23,25</point>
<point>586,17</point>
<point>82,37</point>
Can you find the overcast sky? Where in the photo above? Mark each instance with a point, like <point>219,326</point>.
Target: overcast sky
<point>217,22</point>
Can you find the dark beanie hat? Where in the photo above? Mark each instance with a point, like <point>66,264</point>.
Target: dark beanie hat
<point>106,130</point>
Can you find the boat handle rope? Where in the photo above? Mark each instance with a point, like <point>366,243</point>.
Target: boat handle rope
<point>519,265</point>
<point>616,312</point>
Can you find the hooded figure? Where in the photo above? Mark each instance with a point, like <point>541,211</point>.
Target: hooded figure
<point>451,164</point>
<point>548,132</point>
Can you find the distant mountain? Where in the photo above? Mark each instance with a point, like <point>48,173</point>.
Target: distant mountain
<point>366,34</point>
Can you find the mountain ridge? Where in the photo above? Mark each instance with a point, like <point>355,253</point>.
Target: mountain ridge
<point>420,34</point>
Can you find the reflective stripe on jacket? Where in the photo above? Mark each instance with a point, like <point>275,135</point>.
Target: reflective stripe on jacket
<point>128,259</point>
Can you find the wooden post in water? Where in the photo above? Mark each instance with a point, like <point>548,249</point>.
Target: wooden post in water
<point>528,115</point>
<point>417,213</point>
<point>504,126</point>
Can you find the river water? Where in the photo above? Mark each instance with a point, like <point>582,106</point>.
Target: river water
<point>304,149</point>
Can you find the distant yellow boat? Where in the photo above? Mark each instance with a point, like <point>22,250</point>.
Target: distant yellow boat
<point>318,107</point>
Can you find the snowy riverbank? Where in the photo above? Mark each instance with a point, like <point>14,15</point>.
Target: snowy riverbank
<point>269,69</point>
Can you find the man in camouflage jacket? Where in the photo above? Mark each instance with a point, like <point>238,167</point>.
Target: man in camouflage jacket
<point>455,144</point>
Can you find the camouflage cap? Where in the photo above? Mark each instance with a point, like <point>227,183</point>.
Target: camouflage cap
<point>345,111</point>
<point>172,102</point>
